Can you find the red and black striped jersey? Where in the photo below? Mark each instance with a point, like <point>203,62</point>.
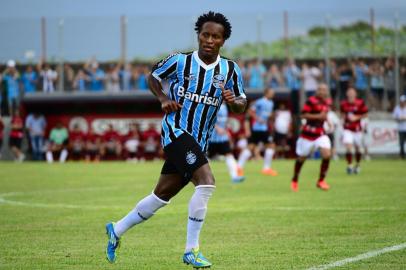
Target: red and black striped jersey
<point>313,129</point>
<point>355,108</point>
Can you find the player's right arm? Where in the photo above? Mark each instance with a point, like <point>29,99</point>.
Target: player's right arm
<point>161,71</point>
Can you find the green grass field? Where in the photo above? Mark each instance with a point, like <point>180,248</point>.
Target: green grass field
<point>53,217</point>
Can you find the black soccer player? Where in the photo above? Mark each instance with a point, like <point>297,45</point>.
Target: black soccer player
<point>198,84</point>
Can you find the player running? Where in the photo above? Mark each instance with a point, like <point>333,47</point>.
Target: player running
<point>313,136</point>
<point>220,144</point>
<point>198,83</point>
<point>353,109</point>
<point>260,113</point>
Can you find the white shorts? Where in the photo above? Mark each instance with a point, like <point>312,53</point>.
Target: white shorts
<point>304,146</point>
<point>352,137</point>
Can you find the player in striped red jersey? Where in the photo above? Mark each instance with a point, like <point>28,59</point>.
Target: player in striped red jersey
<point>313,136</point>
<point>353,110</point>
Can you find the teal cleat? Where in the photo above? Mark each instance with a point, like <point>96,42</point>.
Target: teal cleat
<point>196,259</point>
<point>113,244</point>
<point>238,179</point>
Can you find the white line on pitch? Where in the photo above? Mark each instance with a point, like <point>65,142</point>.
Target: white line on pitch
<point>360,257</point>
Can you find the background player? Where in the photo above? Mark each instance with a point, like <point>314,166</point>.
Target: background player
<point>260,113</point>
<point>313,136</point>
<point>220,144</point>
<point>197,83</point>
<point>353,110</point>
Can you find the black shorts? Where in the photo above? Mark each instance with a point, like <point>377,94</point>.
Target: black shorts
<point>219,148</point>
<point>331,137</point>
<point>183,156</point>
<point>260,136</point>
<point>281,138</point>
<point>16,142</point>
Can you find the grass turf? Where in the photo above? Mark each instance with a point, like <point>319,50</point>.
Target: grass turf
<point>53,217</point>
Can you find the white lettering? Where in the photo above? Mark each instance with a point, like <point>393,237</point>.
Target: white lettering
<point>205,99</point>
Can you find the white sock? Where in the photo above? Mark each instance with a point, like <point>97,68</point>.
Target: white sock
<point>197,213</point>
<point>145,209</point>
<point>232,165</point>
<point>63,156</point>
<point>244,156</point>
<point>268,158</point>
<point>49,156</point>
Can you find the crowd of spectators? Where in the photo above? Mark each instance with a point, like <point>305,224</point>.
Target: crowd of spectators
<point>374,79</point>
<point>63,143</point>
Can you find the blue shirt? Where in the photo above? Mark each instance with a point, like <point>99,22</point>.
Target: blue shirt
<point>361,81</point>
<point>292,78</point>
<point>29,79</point>
<point>222,117</point>
<point>195,86</point>
<point>13,87</point>
<point>35,125</point>
<point>96,80</point>
<point>263,109</point>
<point>256,80</point>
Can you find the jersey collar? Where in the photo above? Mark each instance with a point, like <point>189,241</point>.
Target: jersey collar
<point>202,64</point>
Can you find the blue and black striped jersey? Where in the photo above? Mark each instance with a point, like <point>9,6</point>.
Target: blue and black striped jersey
<point>196,86</point>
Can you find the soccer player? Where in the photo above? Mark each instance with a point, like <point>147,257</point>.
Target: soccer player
<point>220,144</point>
<point>313,136</point>
<point>198,83</point>
<point>260,113</point>
<point>353,110</point>
<point>58,143</point>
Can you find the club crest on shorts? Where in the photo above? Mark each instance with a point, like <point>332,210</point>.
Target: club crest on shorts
<point>190,157</point>
<point>217,79</point>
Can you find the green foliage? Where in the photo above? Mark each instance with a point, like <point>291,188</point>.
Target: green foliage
<point>346,41</point>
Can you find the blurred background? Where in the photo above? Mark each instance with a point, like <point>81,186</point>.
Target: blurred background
<point>83,65</point>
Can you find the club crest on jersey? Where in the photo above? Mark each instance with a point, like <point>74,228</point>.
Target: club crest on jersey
<point>218,79</point>
<point>190,158</point>
<point>191,77</point>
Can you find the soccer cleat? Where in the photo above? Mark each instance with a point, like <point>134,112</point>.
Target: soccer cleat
<point>294,186</point>
<point>238,179</point>
<point>113,244</point>
<point>196,259</point>
<point>240,171</point>
<point>349,170</point>
<point>269,171</point>
<point>357,169</point>
<point>323,185</point>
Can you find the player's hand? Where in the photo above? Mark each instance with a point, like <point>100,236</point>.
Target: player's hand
<point>323,115</point>
<point>228,95</point>
<point>169,106</point>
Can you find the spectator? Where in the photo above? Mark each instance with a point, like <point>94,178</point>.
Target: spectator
<point>92,146</point>
<point>291,73</point>
<point>1,134</point>
<point>274,77</point>
<point>345,78</point>
<point>16,136</point>
<point>30,80</point>
<point>48,77</point>
<point>35,124</point>
<point>113,79</point>
<point>132,143</point>
<point>58,143</point>
<point>361,72</point>
<point>150,140</point>
<point>11,81</point>
<point>68,77</point>
<point>244,72</point>
<point>389,83</point>
<point>96,76</point>
<point>377,84</point>
<point>283,125</point>
<point>311,75</point>
<point>400,116</point>
<point>257,74</point>
<point>125,77</point>
<point>111,146</point>
<point>81,81</point>
<point>77,140</point>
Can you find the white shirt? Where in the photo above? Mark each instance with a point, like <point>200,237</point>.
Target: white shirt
<point>310,78</point>
<point>282,121</point>
<point>398,113</point>
<point>48,80</point>
<point>332,122</point>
